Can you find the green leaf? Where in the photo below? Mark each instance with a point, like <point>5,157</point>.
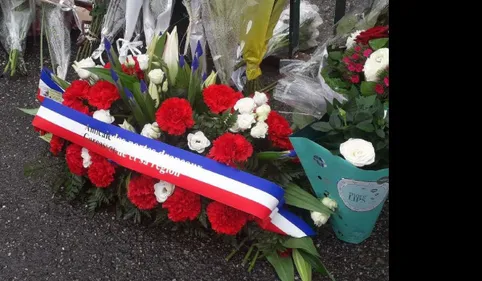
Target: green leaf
<point>305,243</point>
<point>335,121</point>
<point>378,43</point>
<point>105,74</point>
<point>30,111</point>
<point>366,126</point>
<point>302,120</point>
<point>62,83</point>
<point>368,88</point>
<point>296,196</point>
<point>283,266</point>
<point>302,266</point>
<point>353,93</point>
<point>46,137</point>
<point>316,264</point>
<point>322,126</point>
<point>336,55</point>
<point>380,133</point>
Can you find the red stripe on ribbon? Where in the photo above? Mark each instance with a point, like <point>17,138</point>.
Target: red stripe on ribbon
<point>191,184</point>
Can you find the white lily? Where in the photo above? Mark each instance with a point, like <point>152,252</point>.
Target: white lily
<point>171,55</point>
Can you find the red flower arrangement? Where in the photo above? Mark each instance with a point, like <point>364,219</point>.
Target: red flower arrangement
<point>182,205</point>
<point>141,192</point>
<point>224,219</point>
<point>220,97</point>
<point>279,131</point>
<point>101,171</point>
<point>231,149</point>
<point>134,70</point>
<point>372,33</point>
<point>174,116</point>
<point>74,159</point>
<point>56,144</point>
<point>75,96</point>
<point>103,94</point>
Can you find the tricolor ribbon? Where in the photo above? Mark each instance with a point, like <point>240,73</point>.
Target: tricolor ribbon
<point>243,191</point>
<point>45,84</point>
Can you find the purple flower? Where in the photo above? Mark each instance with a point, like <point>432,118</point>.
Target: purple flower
<point>129,94</point>
<point>143,87</point>
<point>114,75</point>
<point>181,60</point>
<point>199,49</point>
<point>195,63</point>
<point>205,76</point>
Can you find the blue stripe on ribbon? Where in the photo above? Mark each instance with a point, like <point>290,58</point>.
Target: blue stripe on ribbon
<point>301,224</point>
<point>46,77</point>
<point>206,163</point>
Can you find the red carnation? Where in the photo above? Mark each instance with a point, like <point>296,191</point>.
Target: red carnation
<point>224,219</point>
<point>174,116</point>
<point>75,96</point>
<point>359,67</point>
<point>56,144</point>
<point>357,48</point>
<point>346,60</point>
<point>385,80</point>
<point>355,79</point>
<point>372,33</point>
<point>355,56</point>
<point>103,94</point>
<point>101,171</point>
<point>74,159</point>
<point>379,89</point>
<point>279,130</point>
<point>351,67</point>
<point>230,149</point>
<point>141,192</point>
<point>107,65</point>
<point>220,97</point>
<point>182,205</point>
<point>367,52</point>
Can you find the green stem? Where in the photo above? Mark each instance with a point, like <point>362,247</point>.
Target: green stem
<point>231,254</point>
<point>269,87</point>
<point>248,254</point>
<point>253,262</point>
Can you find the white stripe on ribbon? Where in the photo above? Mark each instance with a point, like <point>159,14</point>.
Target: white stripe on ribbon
<point>166,161</point>
<point>286,226</point>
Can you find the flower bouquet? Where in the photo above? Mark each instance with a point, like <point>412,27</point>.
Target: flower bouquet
<point>345,154</point>
<point>17,16</point>
<point>182,150</point>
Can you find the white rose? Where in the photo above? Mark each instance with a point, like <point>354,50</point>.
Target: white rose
<point>245,121</point>
<point>260,98</point>
<point>143,61</point>
<point>197,142</point>
<point>80,65</point>
<point>358,152</point>
<point>260,130</point>
<point>126,126</point>
<point>104,116</point>
<point>330,203</point>
<point>377,61</point>
<point>130,61</point>
<point>86,160</point>
<point>350,41</point>
<point>319,218</point>
<point>245,105</point>
<point>151,131</point>
<point>163,190</point>
<point>156,76</point>
<point>262,112</point>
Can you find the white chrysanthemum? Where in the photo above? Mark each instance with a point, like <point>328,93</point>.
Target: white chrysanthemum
<point>319,219</point>
<point>350,41</point>
<point>377,62</point>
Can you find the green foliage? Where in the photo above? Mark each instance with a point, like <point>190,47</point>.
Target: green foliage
<point>29,111</point>
<point>296,196</point>
<point>73,186</point>
<point>302,266</point>
<point>98,197</point>
<point>305,243</point>
<point>378,43</point>
<point>283,266</point>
